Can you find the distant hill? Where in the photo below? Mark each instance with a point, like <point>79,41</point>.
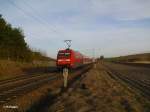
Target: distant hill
<point>136,58</point>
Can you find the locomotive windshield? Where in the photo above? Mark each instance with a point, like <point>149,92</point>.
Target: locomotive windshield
<point>63,54</point>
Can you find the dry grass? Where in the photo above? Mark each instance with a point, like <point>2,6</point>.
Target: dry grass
<point>142,62</point>
<point>98,92</point>
<point>95,92</point>
<point>11,68</point>
<point>140,58</point>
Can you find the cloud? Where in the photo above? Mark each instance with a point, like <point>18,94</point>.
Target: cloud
<point>122,9</point>
<point>113,27</point>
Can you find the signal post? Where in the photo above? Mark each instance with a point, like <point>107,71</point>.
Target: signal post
<point>65,75</point>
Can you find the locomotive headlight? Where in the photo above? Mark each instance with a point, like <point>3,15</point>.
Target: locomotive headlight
<point>60,60</point>
<point>67,60</point>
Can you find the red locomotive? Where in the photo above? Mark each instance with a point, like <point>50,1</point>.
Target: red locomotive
<point>69,58</point>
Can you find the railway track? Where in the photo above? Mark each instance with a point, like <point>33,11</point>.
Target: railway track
<point>16,78</point>
<point>18,86</point>
<point>20,77</point>
<point>75,76</point>
<point>141,86</point>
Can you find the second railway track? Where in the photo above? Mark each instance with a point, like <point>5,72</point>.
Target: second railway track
<point>24,76</point>
<point>141,86</point>
<point>11,90</point>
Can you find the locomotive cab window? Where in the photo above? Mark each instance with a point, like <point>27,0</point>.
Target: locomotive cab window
<point>64,55</point>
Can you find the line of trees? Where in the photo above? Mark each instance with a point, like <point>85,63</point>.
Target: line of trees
<point>13,45</point>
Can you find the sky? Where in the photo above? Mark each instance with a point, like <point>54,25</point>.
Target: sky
<point>96,27</point>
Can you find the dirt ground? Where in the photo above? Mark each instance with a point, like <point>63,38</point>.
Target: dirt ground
<point>98,92</point>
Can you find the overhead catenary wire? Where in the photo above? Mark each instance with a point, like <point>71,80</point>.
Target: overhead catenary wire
<point>37,13</point>
<point>34,17</point>
<point>26,13</point>
<point>41,18</point>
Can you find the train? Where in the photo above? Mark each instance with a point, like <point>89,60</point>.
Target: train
<point>69,58</point>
